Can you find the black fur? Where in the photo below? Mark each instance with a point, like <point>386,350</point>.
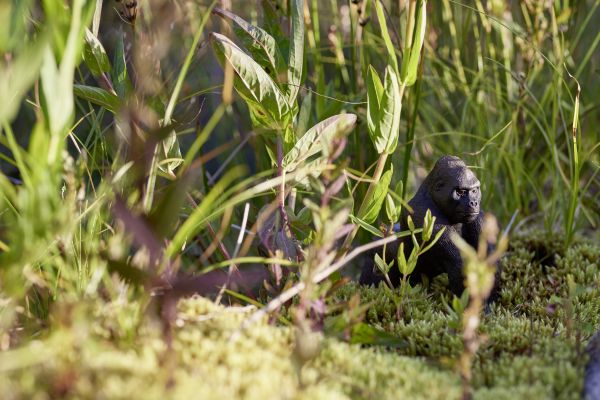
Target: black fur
<point>451,192</point>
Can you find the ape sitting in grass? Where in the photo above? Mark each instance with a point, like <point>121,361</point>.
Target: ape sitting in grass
<point>452,192</point>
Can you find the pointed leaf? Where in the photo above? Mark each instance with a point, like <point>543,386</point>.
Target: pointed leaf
<point>371,210</point>
<point>374,95</point>
<point>391,209</point>
<point>296,54</point>
<point>98,96</point>
<point>386,35</point>
<point>309,144</point>
<point>366,226</point>
<point>252,82</point>
<point>381,265</point>
<point>272,14</point>
<point>259,43</point>
<point>57,80</point>
<point>385,136</point>
<point>120,80</point>
<point>402,265</point>
<point>94,54</point>
<point>410,63</point>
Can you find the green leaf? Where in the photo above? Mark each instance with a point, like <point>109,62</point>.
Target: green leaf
<point>391,106</point>
<point>165,215</point>
<point>428,224</point>
<point>410,223</point>
<point>94,55</point>
<point>399,189</point>
<point>310,144</point>
<point>96,18</point>
<point>98,96</point>
<point>366,226</point>
<point>386,35</point>
<point>183,70</point>
<point>391,209</point>
<point>402,264</point>
<point>374,95</point>
<point>17,75</point>
<point>384,128</point>
<point>296,54</point>
<point>412,53</point>
<point>120,80</point>
<point>259,43</point>
<point>381,265</point>
<point>252,83</point>
<point>371,210</point>
<point>272,14</point>
<point>412,261</point>
<point>57,81</point>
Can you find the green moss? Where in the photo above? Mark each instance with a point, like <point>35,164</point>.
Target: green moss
<point>535,331</point>
<point>205,364</point>
<point>535,336</point>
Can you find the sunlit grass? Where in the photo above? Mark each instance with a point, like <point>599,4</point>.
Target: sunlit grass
<point>133,171</point>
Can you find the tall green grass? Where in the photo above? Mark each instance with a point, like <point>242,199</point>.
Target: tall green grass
<point>126,152</point>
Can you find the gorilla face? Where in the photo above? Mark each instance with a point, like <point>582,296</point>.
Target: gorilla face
<point>456,192</point>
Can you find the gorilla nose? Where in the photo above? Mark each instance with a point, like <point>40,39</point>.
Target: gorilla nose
<point>474,203</point>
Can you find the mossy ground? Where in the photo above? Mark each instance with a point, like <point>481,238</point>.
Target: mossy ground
<point>536,335</point>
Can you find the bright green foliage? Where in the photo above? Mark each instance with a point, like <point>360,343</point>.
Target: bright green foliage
<point>384,106</point>
<point>260,44</point>
<point>318,137</point>
<point>528,354</point>
<point>57,80</point>
<point>374,203</point>
<point>385,34</point>
<point>120,79</point>
<point>412,50</point>
<point>268,104</point>
<point>99,96</point>
<point>533,346</point>
<point>94,55</point>
<point>123,173</point>
<point>296,55</point>
<point>204,364</point>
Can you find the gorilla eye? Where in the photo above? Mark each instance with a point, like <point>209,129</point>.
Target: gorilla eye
<point>461,192</point>
<point>474,190</point>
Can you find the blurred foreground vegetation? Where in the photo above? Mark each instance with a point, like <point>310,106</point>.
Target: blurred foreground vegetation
<point>160,149</point>
<point>534,347</point>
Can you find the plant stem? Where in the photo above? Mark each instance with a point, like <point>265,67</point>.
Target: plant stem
<point>376,177</point>
<point>280,172</point>
<point>410,132</point>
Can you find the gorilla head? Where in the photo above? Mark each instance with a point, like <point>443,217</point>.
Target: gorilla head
<point>454,188</point>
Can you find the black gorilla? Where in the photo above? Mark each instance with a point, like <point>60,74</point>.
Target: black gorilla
<point>451,191</point>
